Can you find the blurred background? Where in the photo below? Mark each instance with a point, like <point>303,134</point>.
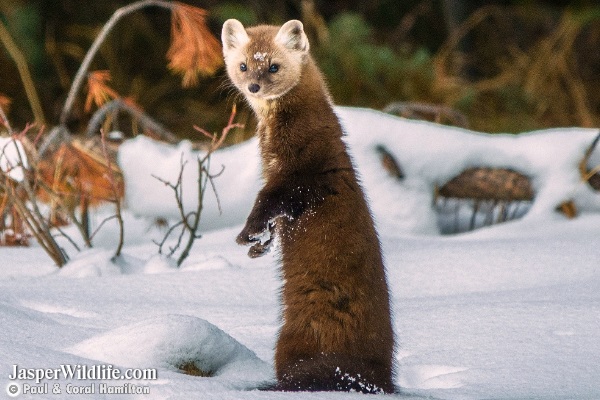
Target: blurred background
<point>494,66</point>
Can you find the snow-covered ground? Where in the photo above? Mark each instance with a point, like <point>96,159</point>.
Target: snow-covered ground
<point>510,311</point>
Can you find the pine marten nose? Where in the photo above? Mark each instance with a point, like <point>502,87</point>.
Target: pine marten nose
<point>254,87</point>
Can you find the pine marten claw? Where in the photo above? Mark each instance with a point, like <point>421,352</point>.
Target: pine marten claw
<point>244,239</point>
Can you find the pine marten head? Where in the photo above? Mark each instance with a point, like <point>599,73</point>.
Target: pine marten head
<point>264,62</point>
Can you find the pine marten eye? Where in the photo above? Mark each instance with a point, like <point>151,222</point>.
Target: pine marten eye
<point>274,68</point>
<point>243,67</point>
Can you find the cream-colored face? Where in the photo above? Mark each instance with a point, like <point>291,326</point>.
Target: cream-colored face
<point>262,62</point>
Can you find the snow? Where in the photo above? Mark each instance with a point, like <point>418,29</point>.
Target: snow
<point>258,56</point>
<point>171,341</point>
<point>509,311</point>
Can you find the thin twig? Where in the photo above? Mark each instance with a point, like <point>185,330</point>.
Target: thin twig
<point>166,236</point>
<point>583,168</point>
<point>64,234</point>
<point>113,186</point>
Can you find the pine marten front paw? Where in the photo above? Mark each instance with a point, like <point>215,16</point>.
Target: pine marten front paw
<point>260,249</point>
<point>260,239</point>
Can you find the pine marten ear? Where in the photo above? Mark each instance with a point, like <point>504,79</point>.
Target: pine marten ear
<point>292,36</point>
<point>233,35</point>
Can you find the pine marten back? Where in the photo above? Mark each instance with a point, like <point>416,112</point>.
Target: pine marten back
<point>336,332</point>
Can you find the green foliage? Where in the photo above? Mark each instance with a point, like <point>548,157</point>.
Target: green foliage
<point>25,25</point>
<point>245,14</point>
<point>361,72</point>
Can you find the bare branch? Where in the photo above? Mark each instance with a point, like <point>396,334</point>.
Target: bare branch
<point>590,176</point>
<point>63,234</point>
<point>190,221</point>
<point>166,236</point>
<point>147,122</point>
<point>85,64</point>
<point>217,142</point>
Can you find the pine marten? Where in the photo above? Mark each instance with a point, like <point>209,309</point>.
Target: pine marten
<point>337,332</point>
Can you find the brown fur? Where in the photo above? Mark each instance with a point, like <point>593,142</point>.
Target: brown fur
<point>336,333</point>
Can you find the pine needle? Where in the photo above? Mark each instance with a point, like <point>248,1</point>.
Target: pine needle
<point>98,90</point>
<point>194,50</point>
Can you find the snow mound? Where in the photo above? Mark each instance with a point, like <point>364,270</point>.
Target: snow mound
<point>158,264</point>
<point>90,263</point>
<point>429,154</point>
<point>431,377</point>
<point>172,341</point>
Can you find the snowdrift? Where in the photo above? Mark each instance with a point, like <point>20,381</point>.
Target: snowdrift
<point>430,155</point>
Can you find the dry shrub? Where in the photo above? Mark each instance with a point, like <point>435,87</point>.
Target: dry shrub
<point>77,175</point>
<point>534,59</point>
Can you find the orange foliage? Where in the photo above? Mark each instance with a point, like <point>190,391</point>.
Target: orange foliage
<point>4,102</point>
<point>194,49</point>
<point>98,90</point>
<point>79,175</point>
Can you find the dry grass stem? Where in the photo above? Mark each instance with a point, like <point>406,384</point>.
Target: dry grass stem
<point>4,102</point>
<point>546,72</point>
<point>19,58</point>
